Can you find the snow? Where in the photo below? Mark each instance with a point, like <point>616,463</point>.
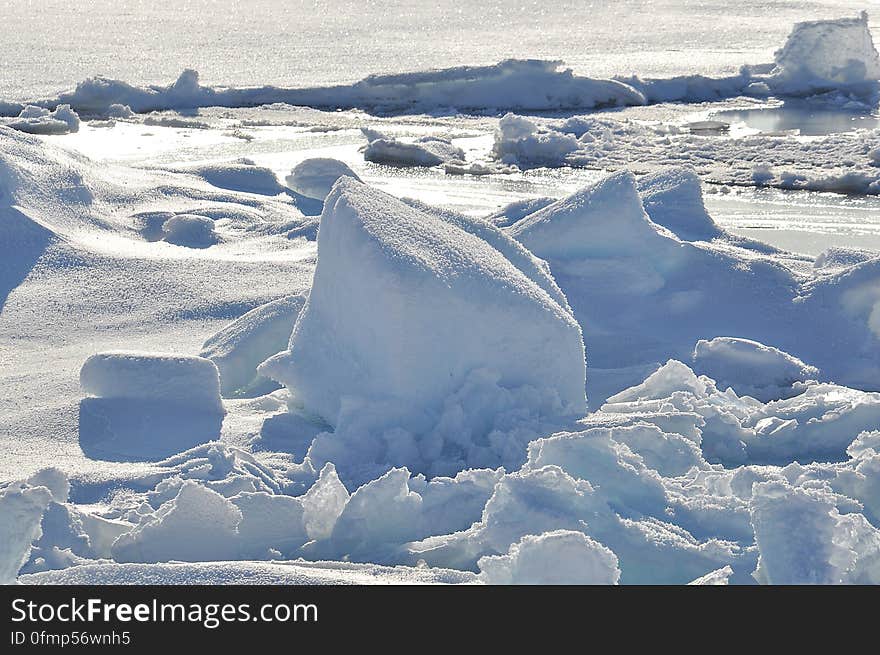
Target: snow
<point>823,55</point>
<point>315,177</point>
<point>21,510</point>
<point>244,572</point>
<point>240,347</point>
<point>428,421</point>
<point>39,120</point>
<point>559,557</point>
<point>805,539</point>
<point>751,368</point>
<point>837,162</point>
<point>174,379</point>
<point>424,151</point>
<point>430,310</point>
<point>190,230</point>
<point>673,198</point>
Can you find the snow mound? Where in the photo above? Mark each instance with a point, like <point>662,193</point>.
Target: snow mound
<point>428,309</point>
<point>424,151</point>
<point>602,220</point>
<point>190,230</point>
<point>315,177</point>
<point>240,347</point>
<point>673,198</point>
<point>241,175</point>
<point>751,368</point>
<point>827,55</point>
<point>559,557</point>
<point>38,120</point>
<point>192,382</point>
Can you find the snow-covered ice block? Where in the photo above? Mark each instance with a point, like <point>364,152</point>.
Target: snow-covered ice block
<point>21,512</point>
<point>38,120</point>
<point>405,306</point>
<point>751,368</point>
<point>605,219</point>
<point>804,538</point>
<point>424,151</point>
<point>824,55</point>
<point>560,557</point>
<point>315,177</point>
<point>184,380</point>
<point>190,230</point>
<point>673,198</point>
<point>520,141</point>
<point>240,347</point>
<point>718,577</point>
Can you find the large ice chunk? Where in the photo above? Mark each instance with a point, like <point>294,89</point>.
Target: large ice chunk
<point>824,55</point>
<point>405,306</point>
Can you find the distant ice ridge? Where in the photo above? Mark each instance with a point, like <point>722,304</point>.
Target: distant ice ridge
<point>819,56</point>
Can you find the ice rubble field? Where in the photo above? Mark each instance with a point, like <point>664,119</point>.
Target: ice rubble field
<point>604,387</point>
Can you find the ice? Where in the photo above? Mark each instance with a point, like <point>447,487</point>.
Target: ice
<point>191,382</point>
<point>673,198</point>
<point>751,368</point>
<point>511,213</point>
<point>190,230</point>
<point>817,423</point>
<point>429,309</point>
<point>606,219</point>
<point>38,120</point>
<point>323,503</point>
<point>783,161</point>
<point>716,577</point>
<point>21,511</point>
<point>424,151</point>
<point>559,557</point>
<point>527,85</point>
<point>621,273</point>
<point>197,525</point>
<point>315,177</point>
<point>240,347</point>
<point>519,141</point>
<point>804,539</point>
<point>827,54</point>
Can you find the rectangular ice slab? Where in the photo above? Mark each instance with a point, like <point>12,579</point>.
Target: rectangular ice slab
<point>178,379</point>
